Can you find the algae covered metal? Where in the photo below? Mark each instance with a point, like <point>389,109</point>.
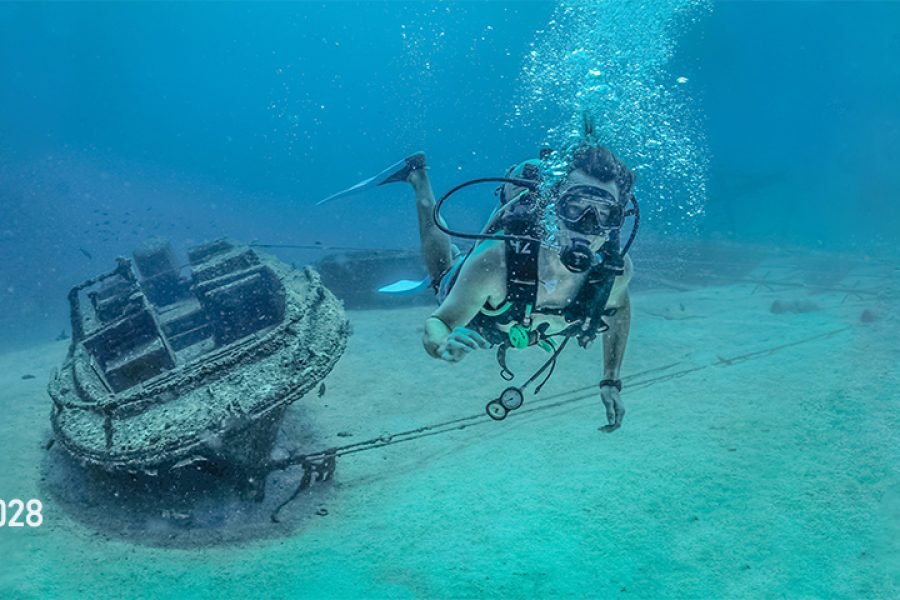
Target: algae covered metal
<point>171,366</point>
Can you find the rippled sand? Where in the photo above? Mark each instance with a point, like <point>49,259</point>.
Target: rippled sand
<point>757,459</point>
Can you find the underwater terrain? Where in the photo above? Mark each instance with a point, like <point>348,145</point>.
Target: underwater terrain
<point>757,457</point>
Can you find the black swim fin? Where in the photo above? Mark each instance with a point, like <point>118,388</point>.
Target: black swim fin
<point>398,171</point>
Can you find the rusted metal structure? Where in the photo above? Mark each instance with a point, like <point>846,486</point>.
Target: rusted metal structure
<point>166,370</point>
<point>355,276</point>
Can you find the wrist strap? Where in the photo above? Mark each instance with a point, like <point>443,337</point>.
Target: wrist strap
<point>616,383</point>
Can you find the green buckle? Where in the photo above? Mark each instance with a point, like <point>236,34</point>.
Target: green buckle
<point>518,336</point>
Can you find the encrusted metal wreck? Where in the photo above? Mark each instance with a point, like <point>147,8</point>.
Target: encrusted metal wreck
<point>165,370</point>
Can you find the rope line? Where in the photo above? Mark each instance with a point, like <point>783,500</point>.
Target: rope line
<point>319,466</point>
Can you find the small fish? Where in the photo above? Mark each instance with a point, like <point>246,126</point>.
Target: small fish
<point>181,518</point>
<point>322,389</point>
<point>86,253</point>
<point>28,376</point>
<point>188,461</point>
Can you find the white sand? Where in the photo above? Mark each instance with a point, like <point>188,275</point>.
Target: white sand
<point>771,477</point>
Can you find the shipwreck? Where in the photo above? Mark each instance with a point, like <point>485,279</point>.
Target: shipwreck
<point>169,366</point>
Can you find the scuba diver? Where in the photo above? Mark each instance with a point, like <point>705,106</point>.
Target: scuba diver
<point>546,268</point>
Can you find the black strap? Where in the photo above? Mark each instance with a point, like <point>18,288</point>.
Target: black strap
<point>616,383</point>
<point>521,278</point>
<point>505,373</point>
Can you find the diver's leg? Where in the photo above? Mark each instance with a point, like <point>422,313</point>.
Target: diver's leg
<point>436,249</point>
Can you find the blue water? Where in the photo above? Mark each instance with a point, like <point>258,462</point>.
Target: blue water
<point>767,124</point>
<point>120,121</point>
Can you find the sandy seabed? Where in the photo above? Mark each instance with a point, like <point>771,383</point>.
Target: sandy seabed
<point>757,460</point>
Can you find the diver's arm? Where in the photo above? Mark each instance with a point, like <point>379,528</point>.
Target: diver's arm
<point>614,341</point>
<point>616,337</point>
<point>474,286</point>
<point>436,331</point>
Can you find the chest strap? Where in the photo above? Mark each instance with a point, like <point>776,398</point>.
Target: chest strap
<point>521,279</point>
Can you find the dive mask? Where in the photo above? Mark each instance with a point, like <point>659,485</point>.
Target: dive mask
<point>589,210</point>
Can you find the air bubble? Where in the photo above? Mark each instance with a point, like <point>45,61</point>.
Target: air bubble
<point>635,113</point>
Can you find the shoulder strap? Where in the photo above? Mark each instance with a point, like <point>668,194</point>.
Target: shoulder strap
<point>521,278</point>
<point>521,290</point>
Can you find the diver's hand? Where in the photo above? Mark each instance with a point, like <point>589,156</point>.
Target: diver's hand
<point>459,343</point>
<point>615,410</point>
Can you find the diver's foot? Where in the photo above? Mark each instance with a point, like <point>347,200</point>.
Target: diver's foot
<point>410,170</point>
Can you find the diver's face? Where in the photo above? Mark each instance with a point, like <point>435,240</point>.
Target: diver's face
<point>604,201</point>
